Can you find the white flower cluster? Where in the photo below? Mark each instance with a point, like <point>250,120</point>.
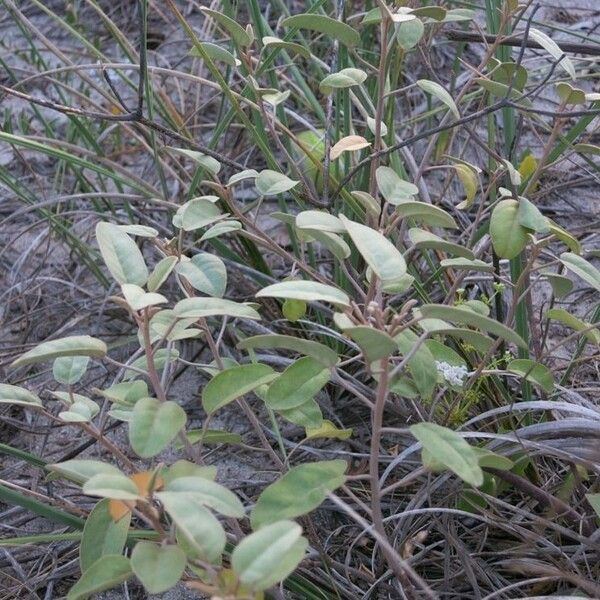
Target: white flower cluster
<point>453,375</point>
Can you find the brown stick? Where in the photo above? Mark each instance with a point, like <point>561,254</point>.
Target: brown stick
<point>514,40</point>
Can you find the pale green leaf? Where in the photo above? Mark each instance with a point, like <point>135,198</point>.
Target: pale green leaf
<point>271,183</point>
<point>379,253</point>
<point>107,572</point>
<point>451,450</point>
<point>323,24</point>
<point>299,383</point>
<point>121,255</point>
<point>158,567</point>
<point>310,291</point>
<point>325,355</point>
<point>233,383</point>
<point>298,492</point>
<point>435,89</point>
<point>76,345</point>
<point>268,556</point>
<point>153,425</point>
<point>102,535</point>
<point>205,272</point>
<point>199,308</point>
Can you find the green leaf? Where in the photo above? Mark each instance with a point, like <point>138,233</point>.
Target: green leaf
<point>379,253</point>
<point>428,213</point>
<point>121,255</point>
<point>569,94</point>
<point>451,450</point>
<point>160,273</point>
<point>217,53</point>
<point>220,229</point>
<point>69,369</point>
<point>138,299</point>
<point>293,310</point>
<point>199,308</point>
<point>12,394</point>
<point>345,78</point>
<point>111,485</point>
<point>298,492</point>
<point>561,285</point>
<point>128,392</point>
<point>424,239</point>
<point>319,220</point>
<point>196,523</point>
<point>271,183</point>
<point>159,568</point>
<point>211,436</point>
<point>307,415</point>
<point>394,189</point>
<point>465,264</point>
<point>421,364</point>
<point>299,383</point>
<point>184,468</point>
<point>435,89</point>
<point>80,470</point>
<point>310,291</point>
<point>331,27</point>
<point>102,535</point>
<point>468,317</point>
<point>273,42</point>
<point>268,556</point>
<point>327,430</point>
<point>509,237</point>
<point>582,268</point>
<point>208,493</point>
<point>553,49</point>
<point>501,90</point>
<point>197,213</point>
<point>206,273</point>
<point>140,230</point>
<point>487,458</point>
<point>530,217</point>
<point>75,345</point>
<point>326,356</point>
<point>470,182</point>
<point>374,344</point>
<point>565,237</point>
<point>106,573</point>
<point>594,500</point>
<point>235,30</point>
<point>534,372</point>
<point>153,425</point>
<point>203,160</point>
<point>560,314</point>
<point>233,383</point>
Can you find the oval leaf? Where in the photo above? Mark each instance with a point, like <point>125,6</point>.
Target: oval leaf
<point>310,291</point>
<point>153,425</point>
<point>451,450</point>
<point>298,492</point>
<point>106,573</point>
<point>121,255</point>
<point>232,383</point>
<point>268,556</point>
<point>298,384</point>
<point>323,24</point>
<point>206,273</point>
<point>76,345</point>
<point>157,567</point>
<point>102,535</point>
<point>379,253</point>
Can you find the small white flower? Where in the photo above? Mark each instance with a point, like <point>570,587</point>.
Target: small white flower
<point>453,375</point>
